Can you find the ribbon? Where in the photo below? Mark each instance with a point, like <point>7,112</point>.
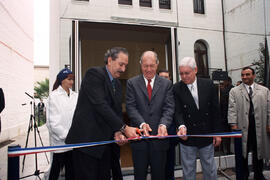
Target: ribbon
<point>13,152</point>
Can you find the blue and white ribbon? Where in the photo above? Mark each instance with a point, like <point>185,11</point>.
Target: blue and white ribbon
<point>12,152</point>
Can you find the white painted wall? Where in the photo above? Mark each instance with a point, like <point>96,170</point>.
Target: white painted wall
<point>246,23</point>
<point>16,65</point>
<point>54,40</point>
<point>111,11</point>
<point>212,19</point>
<point>214,43</point>
<point>207,27</point>
<point>41,72</point>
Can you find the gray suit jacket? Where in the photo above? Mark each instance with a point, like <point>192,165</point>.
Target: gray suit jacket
<point>158,111</point>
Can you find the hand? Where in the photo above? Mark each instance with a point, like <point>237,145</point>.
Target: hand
<point>233,127</point>
<point>162,130</point>
<point>182,131</point>
<point>118,136</point>
<point>131,132</point>
<point>217,141</point>
<point>268,129</point>
<point>146,129</point>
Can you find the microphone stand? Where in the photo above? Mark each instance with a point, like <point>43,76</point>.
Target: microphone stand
<point>32,123</point>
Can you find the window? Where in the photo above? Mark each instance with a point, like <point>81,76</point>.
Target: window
<point>127,2</point>
<point>198,6</point>
<point>146,3</point>
<point>200,53</point>
<point>165,4</point>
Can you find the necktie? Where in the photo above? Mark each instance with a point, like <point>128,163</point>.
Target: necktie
<point>192,88</point>
<point>250,92</point>
<point>194,95</point>
<point>113,85</point>
<point>149,89</point>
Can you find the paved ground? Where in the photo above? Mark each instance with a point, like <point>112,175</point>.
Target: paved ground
<point>43,166</point>
<point>29,165</point>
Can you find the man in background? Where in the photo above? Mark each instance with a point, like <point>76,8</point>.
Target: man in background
<point>173,141</point>
<point>249,111</point>
<point>41,107</point>
<point>224,100</point>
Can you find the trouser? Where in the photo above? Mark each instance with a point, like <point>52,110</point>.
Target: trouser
<point>61,160</point>
<point>88,167</point>
<point>188,161</point>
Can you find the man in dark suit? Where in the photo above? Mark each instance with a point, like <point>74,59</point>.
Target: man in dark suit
<point>2,104</point>
<point>150,106</point>
<point>196,112</point>
<point>98,117</point>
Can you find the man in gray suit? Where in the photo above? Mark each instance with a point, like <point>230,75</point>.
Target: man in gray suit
<point>150,106</point>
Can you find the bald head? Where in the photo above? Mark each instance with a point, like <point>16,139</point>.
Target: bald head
<point>149,54</point>
<point>149,64</point>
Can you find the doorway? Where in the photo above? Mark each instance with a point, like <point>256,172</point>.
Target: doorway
<point>94,40</point>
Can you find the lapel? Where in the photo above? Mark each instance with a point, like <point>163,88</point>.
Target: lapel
<point>244,91</point>
<point>187,94</point>
<point>109,83</point>
<point>200,90</point>
<point>157,84</point>
<point>142,85</point>
<point>256,88</point>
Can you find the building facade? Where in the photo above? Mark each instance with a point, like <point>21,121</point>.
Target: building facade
<point>221,35</point>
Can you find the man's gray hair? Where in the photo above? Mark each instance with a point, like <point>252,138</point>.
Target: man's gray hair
<point>155,54</point>
<point>188,61</point>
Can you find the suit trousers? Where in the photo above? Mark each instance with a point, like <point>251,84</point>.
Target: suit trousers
<point>188,161</point>
<point>59,161</point>
<point>115,164</point>
<point>148,156</point>
<point>88,167</point>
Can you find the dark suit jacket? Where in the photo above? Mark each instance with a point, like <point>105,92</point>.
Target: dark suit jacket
<point>2,100</point>
<point>198,121</point>
<point>155,112</point>
<point>2,103</point>
<point>98,112</point>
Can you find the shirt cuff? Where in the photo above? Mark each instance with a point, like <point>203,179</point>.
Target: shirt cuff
<point>181,126</point>
<point>163,125</point>
<point>141,125</point>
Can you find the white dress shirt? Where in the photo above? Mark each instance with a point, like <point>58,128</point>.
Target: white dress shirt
<point>247,87</point>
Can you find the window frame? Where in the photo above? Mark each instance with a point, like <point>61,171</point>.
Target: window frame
<point>198,6</point>
<point>145,3</point>
<point>125,2</point>
<point>203,67</point>
<point>164,4</point>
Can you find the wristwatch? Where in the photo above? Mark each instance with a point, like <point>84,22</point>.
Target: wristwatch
<point>122,130</point>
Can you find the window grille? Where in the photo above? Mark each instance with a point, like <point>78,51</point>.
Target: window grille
<point>146,3</point>
<point>165,4</point>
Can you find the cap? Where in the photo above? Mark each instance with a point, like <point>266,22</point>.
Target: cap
<point>63,74</point>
